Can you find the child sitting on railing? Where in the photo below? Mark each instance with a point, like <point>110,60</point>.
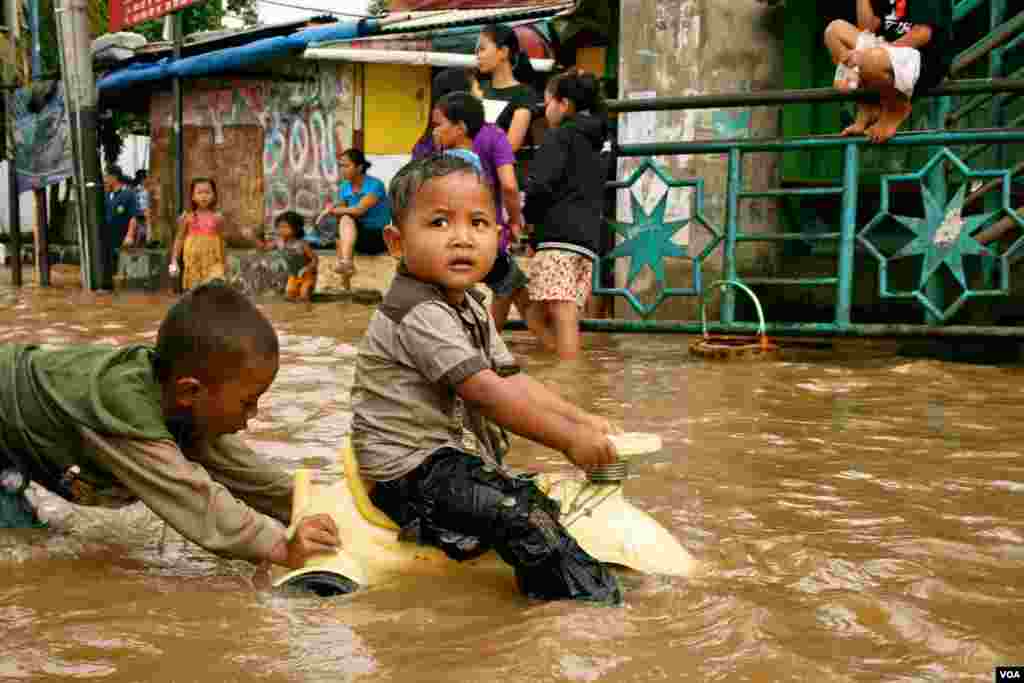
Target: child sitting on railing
<point>905,51</point>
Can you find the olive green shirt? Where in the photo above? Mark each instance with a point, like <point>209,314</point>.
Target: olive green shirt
<point>99,408</point>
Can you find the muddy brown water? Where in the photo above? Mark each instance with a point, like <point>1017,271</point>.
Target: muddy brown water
<point>858,513</point>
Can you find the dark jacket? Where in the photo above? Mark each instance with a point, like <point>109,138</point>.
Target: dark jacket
<point>565,188</point>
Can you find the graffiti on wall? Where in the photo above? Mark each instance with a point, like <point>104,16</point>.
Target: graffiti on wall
<point>306,125</point>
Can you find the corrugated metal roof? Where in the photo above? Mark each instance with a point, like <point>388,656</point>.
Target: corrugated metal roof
<point>413,5</point>
<point>422,21</point>
<point>217,40</point>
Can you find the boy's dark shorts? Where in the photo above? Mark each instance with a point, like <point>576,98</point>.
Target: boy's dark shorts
<point>457,502</point>
<point>506,277</point>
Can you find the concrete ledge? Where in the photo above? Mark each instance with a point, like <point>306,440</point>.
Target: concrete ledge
<point>59,253</point>
<point>257,273</point>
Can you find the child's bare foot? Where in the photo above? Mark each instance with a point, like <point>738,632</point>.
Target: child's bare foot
<point>844,85</point>
<point>847,78</point>
<point>867,115</point>
<point>892,117</point>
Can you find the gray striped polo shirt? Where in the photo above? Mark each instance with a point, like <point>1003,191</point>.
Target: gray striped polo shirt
<point>417,349</point>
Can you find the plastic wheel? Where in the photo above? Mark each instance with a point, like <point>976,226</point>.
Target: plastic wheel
<point>321,584</point>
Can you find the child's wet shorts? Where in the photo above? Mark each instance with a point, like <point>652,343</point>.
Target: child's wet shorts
<point>457,502</point>
<point>557,275</point>
<point>506,277</point>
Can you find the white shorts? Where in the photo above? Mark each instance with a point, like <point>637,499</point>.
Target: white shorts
<point>906,63</point>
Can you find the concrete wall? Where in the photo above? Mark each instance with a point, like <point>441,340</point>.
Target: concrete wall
<point>13,56</point>
<point>271,144</point>
<point>672,48</point>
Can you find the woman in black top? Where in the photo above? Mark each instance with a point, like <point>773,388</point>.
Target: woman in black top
<point>505,73</point>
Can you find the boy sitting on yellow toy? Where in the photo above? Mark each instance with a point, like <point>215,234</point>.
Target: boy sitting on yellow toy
<point>435,385</point>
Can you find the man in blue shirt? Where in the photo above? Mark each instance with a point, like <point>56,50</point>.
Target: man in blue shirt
<point>121,210</point>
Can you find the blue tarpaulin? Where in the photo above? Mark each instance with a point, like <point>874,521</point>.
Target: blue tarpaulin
<point>234,58</point>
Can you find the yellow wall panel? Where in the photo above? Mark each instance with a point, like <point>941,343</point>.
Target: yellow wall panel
<point>397,105</point>
<point>592,60</point>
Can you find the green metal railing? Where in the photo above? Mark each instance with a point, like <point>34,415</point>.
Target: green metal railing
<point>943,238</point>
<point>931,177</point>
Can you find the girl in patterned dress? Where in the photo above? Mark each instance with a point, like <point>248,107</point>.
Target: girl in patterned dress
<point>565,201</point>
<point>200,240</point>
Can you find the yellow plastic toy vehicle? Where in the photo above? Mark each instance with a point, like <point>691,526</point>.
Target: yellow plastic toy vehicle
<point>594,511</point>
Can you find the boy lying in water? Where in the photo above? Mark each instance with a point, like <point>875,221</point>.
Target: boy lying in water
<point>904,52</point>
<point>108,426</point>
<point>435,384</point>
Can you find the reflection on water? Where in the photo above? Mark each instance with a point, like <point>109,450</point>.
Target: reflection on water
<point>859,515</point>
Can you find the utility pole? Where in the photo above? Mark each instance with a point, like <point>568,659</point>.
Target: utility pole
<point>174,29</point>
<point>13,200</point>
<point>80,95</point>
<point>10,79</point>
<point>179,129</point>
<point>42,220</point>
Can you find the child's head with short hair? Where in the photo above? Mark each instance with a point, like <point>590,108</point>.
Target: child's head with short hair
<point>290,226</point>
<point>445,229</point>
<point>571,93</point>
<point>202,193</point>
<point>457,117</point>
<point>216,354</point>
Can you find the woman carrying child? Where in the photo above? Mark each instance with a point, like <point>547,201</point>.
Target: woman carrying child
<point>200,238</point>
<point>301,260</point>
<point>564,199</point>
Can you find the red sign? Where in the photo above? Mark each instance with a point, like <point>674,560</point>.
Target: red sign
<point>124,13</point>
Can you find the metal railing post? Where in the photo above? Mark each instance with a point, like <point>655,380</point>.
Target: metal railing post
<point>734,177</point>
<point>934,288</point>
<point>847,235</point>
<point>993,201</point>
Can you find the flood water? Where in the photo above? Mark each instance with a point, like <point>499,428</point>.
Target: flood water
<point>858,514</point>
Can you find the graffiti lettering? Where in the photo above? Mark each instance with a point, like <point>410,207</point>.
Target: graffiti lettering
<point>300,164</point>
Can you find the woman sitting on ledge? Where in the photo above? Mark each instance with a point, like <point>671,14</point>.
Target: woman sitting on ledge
<point>363,212</point>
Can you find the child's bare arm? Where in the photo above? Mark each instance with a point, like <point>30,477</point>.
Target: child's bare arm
<point>506,404</point>
<point>179,239</point>
<point>917,37</point>
<point>867,20</point>
<point>546,399</point>
<point>221,228</point>
<point>510,196</point>
<point>311,259</point>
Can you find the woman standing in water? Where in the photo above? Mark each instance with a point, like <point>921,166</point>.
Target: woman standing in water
<point>363,212</point>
